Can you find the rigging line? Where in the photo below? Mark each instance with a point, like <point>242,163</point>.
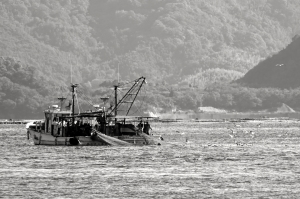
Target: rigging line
<point>128,98</point>
<point>135,91</point>
<point>121,92</point>
<point>87,99</point>
<point>87,102</point>
<point>124,86</point>
<point>130,82</point>
<point>141,103</point>
<point>110,96</point>
<point>77,103</point>
<point>67,97</point>
<point>111,93</point>
<point>139,108</point>
<point>146,91</point>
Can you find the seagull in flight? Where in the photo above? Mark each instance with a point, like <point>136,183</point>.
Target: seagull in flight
<point>232,134</point>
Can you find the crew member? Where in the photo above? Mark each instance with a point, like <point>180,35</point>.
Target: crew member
<point>140,125</point>
<point>146,128</point>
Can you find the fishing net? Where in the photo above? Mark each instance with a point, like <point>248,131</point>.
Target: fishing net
<point>149,140</point>
<point>117,142</point>
<point>110,140</point>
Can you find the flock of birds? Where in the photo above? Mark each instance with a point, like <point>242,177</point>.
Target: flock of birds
<point>235,133</point>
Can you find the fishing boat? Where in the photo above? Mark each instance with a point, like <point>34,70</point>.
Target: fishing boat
<point>98,127</point>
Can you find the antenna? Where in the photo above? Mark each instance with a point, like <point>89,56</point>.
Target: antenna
<point>71,73</point>
<point>71,70</point>
<point>118,73</point>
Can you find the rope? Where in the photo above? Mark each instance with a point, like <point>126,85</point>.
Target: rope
<point>127,83</point>
<point>87,98</point>
<point>77,103</point>
<point>141,103</point>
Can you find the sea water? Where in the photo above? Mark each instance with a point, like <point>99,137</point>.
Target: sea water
<point>257,159</point>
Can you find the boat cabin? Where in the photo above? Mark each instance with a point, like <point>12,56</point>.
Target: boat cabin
<point>61,124</point>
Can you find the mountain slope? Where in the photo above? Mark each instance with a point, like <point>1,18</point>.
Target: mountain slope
<point>177,38</point>
<point>279,71</point>
<point>45,45</point>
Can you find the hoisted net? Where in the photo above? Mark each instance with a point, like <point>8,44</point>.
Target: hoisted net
<point>149,140</point>
<point>117,142</point>
<point>110,140</point>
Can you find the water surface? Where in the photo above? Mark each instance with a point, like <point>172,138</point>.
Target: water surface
<point>195,160</point>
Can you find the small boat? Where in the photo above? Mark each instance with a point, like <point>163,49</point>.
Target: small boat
<point>93,128</point>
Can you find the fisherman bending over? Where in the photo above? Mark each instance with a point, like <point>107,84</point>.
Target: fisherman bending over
<point>147,127</point>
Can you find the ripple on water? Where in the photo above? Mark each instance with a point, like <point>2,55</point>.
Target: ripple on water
<point>210,164</point>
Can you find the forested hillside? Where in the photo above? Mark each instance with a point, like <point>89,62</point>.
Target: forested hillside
<point>185,48</point>
<point>180,37</point>
<point>280,70</point>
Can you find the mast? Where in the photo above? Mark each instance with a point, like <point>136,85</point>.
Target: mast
<point>116,102</point>
<point>73,102</point>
